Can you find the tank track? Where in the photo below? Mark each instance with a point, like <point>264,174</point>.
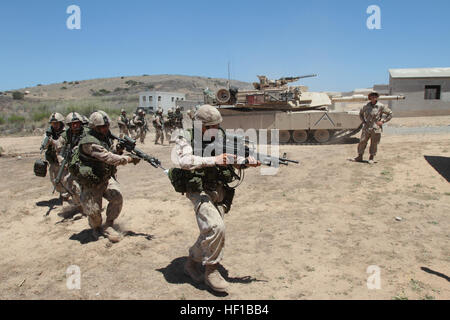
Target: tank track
<point>338,137</point>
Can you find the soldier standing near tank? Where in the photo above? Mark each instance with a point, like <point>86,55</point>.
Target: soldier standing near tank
<point>123,123</point>
<point>372,118</point>
<point>211,201</point>
<point>178,118</point>
<point>70,139</point>
<point>54,133</point>
<point>141,124</point>
<point>158,124</point>
<point>96,162</point>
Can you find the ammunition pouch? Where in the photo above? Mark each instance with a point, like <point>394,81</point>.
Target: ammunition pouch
<point>228,198</point>
<point>196,181</point>
<point>40,168</point>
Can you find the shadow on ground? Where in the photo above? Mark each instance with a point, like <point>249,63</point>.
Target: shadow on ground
<point>427,270</point>
<point>441,165</point>
<point>174,274</point>
<point>51,204</point>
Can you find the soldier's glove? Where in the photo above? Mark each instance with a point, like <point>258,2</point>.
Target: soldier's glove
<point>119,149</point>
<point>134,159</point>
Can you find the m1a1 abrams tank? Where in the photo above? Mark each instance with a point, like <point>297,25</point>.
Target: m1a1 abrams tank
<point>300,116</point>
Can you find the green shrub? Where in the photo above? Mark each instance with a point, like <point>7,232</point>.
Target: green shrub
<point>39,116</point>
<point>2,120</point>
<point>63,88</point>
<point>17,95</point>
<point>16,119</point>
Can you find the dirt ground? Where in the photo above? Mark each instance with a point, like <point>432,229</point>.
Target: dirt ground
<point>309,232</point>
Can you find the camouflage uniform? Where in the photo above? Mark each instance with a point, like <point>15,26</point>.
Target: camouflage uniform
<point>158,125</point>
<point>141,125</point>
<point>370,114</point>
<point>132,127</point>
<point>51,155</point>
<point>123,123</point>
<point>168,125</point>
<point>98,151</point>
<point>72,140</point>
<point>208,249</point>
<point>178,118</point>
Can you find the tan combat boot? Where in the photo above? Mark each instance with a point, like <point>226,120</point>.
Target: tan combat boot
<point>193,270</point>
<point>110,233</point>
<point>359,158</point>
<point>214,280</point>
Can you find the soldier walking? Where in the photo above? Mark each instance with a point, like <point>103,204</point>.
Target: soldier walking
<point>373,115</point>
<point>178,118</point>
<point>54,133</point>
<point>158,124</point>
<point>123,123</point>
<point>141,126</point>
<point>97,161</point>
<point>206,182</point>
<point>70,139</point>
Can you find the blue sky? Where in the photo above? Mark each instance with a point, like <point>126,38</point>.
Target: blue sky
<point>277,38</point>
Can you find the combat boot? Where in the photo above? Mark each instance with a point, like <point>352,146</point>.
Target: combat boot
<point>359,158</point>
<point>214,280</point>
<point>193,270</point>
<point>371,159</point>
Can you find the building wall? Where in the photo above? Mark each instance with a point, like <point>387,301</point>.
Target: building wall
<point>415,103</point>
<point>152,100</point>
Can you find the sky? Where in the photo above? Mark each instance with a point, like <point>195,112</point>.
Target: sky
<point>276,38</point>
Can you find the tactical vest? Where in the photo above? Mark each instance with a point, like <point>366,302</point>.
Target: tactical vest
<point>204,179</point>
<point>89,171</point>
<point>50,153</point>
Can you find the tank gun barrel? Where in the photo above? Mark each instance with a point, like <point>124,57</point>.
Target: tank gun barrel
<point>294,79</point>
<point>363,98</point>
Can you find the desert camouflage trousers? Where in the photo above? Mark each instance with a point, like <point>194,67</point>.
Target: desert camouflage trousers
<point>123,131</point>
<point>140,134</point>
<point>168,132</point>
<point>72,187</point>
<point>132,132</point>
<point>159,135</point>
<point>208,249</point>
<point>374,141</point>
<point>91,202</point>
<point>53,172</point>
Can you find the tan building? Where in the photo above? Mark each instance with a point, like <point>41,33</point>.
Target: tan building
<point>427,91</point>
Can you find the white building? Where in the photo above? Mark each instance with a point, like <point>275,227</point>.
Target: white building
<point>150,101</point>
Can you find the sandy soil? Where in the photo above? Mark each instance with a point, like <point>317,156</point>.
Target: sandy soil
<point>309,232</point>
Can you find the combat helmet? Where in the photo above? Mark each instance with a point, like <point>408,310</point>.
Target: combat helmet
<point>99,118</point>
<point>170,110</point>
<point>73,117</point>
<point>374,93</point>
<point>56,117</point>
<point>208,115</point>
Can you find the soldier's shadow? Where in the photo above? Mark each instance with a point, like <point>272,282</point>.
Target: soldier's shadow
<point>174,273</point>
<point>84,236</point>
<point>51,204</point>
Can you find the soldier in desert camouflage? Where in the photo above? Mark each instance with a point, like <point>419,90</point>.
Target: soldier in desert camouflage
<point>97,160</point>
<point>158,124</point>
<point>373,115</point>
<point>123,123</point>
<point>54,132</point>
<point>141,126</point>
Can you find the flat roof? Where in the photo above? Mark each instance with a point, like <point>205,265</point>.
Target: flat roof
<point>420,73</point>
<point>161,92</point>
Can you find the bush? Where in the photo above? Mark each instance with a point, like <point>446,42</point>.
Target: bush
<point>39,116</point>
<point>63,88</point>
<point>17,95</point>
<point>39,85</point>
<point>16,119</point>
<point>2,120</point>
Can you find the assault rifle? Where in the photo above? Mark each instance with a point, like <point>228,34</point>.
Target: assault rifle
<point>130,145</point>
<point>239,146</point>
<point>65,154</point>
